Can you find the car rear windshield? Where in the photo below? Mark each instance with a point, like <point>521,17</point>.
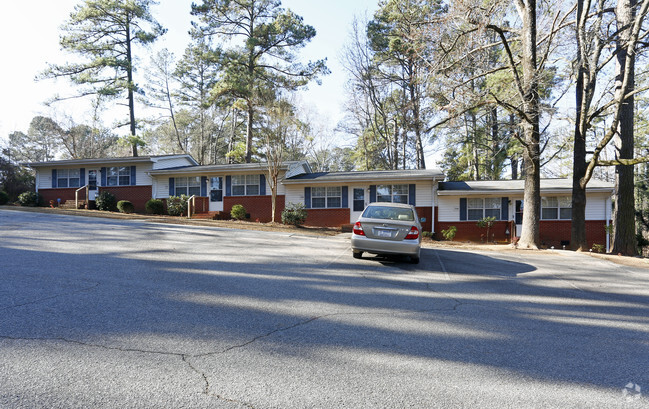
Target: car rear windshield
<point>389,213</point>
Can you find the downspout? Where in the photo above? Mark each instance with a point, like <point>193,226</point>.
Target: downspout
<point>607,216</point>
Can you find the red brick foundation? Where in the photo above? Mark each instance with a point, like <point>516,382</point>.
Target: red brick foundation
<point>469,231</point>
<point>60,193</point>
<point>327,217</point>
<point>259,207</point>
<point>552,232</point>
<point>426,212</point>
<point>138,195</point>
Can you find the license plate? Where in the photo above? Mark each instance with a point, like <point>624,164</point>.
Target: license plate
<point>384,233</point>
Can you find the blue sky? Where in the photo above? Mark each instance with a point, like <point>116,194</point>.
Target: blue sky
<point>30,41</point>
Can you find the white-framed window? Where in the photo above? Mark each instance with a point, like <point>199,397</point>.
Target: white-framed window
<point>392,193</point>
<point>68,178</point>
<point>118,176</point>
<point>478,208</point>
<point>556,208</point>
<point>326,197</point>
<point>245,185</point>
<point>189,186</point>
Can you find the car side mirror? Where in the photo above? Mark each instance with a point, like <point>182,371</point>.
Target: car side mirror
<point>422,220</point>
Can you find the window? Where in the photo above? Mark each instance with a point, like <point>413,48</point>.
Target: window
<point>245,185</point>
<point>118,176</point>
<point>478,208</point>
<point>67,178</point>
<point>326,197</point>
<point>392,193</point>
<point>188,186</point>
<point>555,208</point>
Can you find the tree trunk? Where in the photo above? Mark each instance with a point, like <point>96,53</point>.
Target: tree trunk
<point>578,223</point>
<point>624,241</point>
<point>129,77</point>
<point>251,112</point>
<point>530,235</point>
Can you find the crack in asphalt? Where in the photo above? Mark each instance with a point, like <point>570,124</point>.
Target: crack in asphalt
<point>51,297</point>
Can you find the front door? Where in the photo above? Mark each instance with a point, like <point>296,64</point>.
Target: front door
<point>216,194</point>
<point>92,184</point>
<point>519,217</point>
<point>358,203</point>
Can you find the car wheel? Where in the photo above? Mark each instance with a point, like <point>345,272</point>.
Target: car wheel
<point>414,259</point>
<point>357,254</point>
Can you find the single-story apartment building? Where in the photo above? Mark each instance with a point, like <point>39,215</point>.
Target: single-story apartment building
<point>332,199</point>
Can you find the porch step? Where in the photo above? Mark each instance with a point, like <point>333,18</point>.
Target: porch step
<point>70,204</point>
<point>210,215</point>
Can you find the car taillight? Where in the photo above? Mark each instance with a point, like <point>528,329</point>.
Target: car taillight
<point>358,229</point>
<point>413,233</point>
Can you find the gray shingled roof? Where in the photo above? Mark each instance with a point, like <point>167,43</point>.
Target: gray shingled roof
<point>259,166</point>
<point>65,162</point>
<point>359,176</point>
<point>486,186</point>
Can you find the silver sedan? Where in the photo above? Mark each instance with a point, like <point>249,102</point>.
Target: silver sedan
<point>387,228</point>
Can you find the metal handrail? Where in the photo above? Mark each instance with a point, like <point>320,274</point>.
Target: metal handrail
<point>192,199</point>
<point>76,196</point>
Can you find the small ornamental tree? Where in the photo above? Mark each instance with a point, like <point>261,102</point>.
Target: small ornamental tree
<point>449,234</point>
<point>487,222</point>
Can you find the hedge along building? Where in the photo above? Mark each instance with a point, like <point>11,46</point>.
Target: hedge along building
<point>462,204</point>
<point>127,178</point>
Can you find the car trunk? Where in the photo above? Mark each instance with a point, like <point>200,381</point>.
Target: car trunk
<point>386,230</point>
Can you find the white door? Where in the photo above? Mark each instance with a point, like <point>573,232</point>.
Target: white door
<point>92,184</point>
<point>216,194</point>
<point>358,203</point>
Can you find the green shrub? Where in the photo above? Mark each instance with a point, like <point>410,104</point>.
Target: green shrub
<point>598,248</point>
<point>29,199</point>
<point>238,212</point>
<point>294,214</point>
<point>426,234</point>
<point>155,206</point>
<point>177,205</point>
<point>124,206</point>
<point>106,201</point>
<point>449,234</point>
<point>4,198</point>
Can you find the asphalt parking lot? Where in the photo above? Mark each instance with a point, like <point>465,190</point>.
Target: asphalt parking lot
<point>117,313</point>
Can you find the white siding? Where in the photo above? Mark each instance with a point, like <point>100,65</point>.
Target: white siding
<point>294,194</point>
<point>161,184</point>
<point>448,209</point>
<point>596,207</point>
<point>44,176</point>
<point>141,178</point>
<point>424,194</point>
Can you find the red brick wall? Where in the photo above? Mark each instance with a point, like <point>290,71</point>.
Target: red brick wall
<point>469,231</point>
<point>426,212</point>
<point>60,193</point>
<point>555,231</point>
<point>552,232</point>
<point>327,217</point>
<point>259,207</point>
<point>138,195</point>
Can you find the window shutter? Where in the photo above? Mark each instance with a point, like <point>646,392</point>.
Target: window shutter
<point>132,175</point>
<point>412,194</point>
<point>504,209</point>
<point>54,181</point>
<point>463,208</point>
<point>345,198</point>
<point>204,186</point>
<point>103,177</point>
<point>228,185</point>
<point>372,193</point>
<point>172,186</point>
<point>307,197</point>
<point>82,177</point>
<point>262,184</point>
